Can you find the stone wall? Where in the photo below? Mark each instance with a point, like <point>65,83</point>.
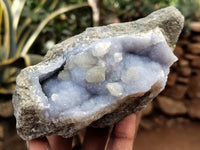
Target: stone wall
<point>182,93</point>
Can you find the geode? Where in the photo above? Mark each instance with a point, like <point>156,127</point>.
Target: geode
<point>97,77</point>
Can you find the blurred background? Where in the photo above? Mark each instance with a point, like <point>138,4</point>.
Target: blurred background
<point>28,28</point>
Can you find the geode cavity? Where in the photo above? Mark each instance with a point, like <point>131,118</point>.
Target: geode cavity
<point>97,77</point>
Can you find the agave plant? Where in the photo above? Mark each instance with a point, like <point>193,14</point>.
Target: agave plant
<point>16,40</point>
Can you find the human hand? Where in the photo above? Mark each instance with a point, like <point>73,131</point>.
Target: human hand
<point>121,137</point>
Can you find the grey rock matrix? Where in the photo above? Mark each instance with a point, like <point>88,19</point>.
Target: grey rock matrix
<point>97,77</point>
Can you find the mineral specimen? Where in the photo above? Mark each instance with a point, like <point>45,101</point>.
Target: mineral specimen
<point>97,77</point>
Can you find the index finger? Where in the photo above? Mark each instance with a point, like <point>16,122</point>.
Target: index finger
<point>38,144</point>
<point>124,133</point>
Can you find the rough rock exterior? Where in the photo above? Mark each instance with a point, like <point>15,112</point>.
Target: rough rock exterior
<point>29,99</point>
<point>183,85</point>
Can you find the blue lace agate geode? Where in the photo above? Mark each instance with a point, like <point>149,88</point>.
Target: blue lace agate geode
<point>97,77</point>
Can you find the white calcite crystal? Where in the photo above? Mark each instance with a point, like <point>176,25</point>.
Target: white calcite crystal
<point>64,75</point>
<point>84,60</point>
<point>95,74</point>
<point>131,74</point>
<point>115,89</point>
<point>101,49</point>
<point>98,77</point>
<point>118,57</point>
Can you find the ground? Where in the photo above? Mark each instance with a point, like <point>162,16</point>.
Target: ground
<point>177,136</point>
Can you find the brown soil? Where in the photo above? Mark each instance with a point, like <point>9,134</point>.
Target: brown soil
<point>179,136</point>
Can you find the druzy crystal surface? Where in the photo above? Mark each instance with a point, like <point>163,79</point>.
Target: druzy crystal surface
<point>110,69</point>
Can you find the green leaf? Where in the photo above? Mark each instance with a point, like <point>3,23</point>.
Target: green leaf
<point>32,59</point>
<point>2,53</point>
<point>37,9</point>
<point>8,79</point>
<point>22,41</point>
<point>9,37</point>
<point>27,23</point>
<point>22,27</point>
<point>17,6</point>
<point>14,62</point>
<point>7,89</point>
<point>53,5</point>
<point>21,62</point>
<point>1,16</point>
<point>45,21</point>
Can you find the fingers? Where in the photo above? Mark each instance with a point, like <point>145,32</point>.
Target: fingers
<point>124,133</point>
<point>59,143</point>
<point>95,138</point>
<point>122,137</point>
<point>138,118</point>
<point>38,144</point>
<point>54,142</point>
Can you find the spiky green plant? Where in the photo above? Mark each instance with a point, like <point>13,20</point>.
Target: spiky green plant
<point>17,38</point>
